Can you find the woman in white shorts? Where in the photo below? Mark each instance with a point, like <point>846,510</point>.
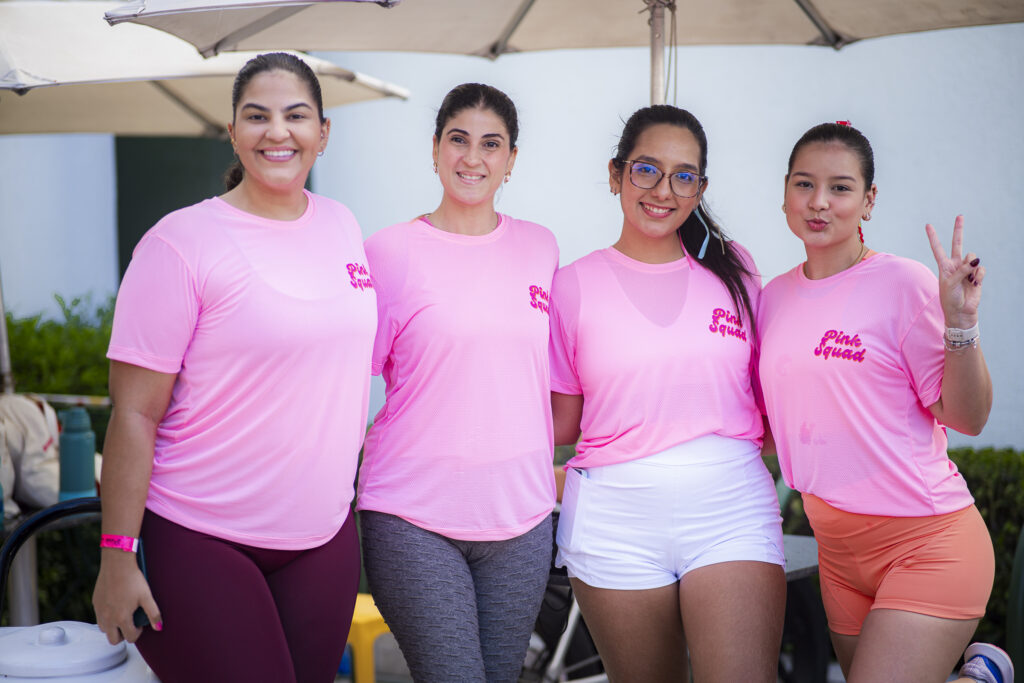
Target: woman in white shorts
<point>670,527</point>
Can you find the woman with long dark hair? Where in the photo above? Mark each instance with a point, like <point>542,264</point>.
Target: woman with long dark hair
<point>670,527</point>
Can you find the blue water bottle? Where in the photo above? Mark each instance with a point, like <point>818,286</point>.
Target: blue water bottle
<point>77,455</point>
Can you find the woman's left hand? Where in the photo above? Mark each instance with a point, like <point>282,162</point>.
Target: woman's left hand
<point>959,278</point>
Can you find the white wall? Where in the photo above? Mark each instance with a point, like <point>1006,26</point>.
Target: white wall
<point>944,111</point>
<point>58,223</point>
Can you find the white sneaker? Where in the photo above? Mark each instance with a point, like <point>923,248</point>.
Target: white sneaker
<point>987,663</point>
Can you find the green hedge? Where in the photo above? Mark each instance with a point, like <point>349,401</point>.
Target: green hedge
<point>65,356</point>
<point>996,479</point>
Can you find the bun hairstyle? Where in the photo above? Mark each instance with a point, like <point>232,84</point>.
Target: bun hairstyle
<point>270,61</point>
<point>478,96</point>
<point>725,263</point>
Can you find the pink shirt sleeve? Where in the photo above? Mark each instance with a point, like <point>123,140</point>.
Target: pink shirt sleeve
<point>157,309</point>
<point>388,267</point>
<point>565,308</point>
<point>922,350</point>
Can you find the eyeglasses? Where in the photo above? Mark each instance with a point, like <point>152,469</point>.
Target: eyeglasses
<point>646,176</point>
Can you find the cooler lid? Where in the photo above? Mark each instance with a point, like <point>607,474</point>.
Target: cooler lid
<point>60,648</point>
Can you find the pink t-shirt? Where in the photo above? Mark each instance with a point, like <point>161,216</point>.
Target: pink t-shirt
<point>849,364</point>
<point>269,327</point>
<point>462,446</point>
<point>658,352</point>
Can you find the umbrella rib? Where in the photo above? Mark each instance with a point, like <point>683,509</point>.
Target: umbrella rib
<point>828,35</point>
<point>231,40</point>
<point>500,46</point>
<point>211,129</point>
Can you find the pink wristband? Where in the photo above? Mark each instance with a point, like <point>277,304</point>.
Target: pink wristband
<point>125,543</point>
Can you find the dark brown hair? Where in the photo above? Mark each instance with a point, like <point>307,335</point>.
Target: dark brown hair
<point>844,134</point>
<point>271,61</point>
<point>478,96</point>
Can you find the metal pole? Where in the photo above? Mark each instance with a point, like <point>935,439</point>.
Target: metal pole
<point>23,587</point>
<point>657,51</point>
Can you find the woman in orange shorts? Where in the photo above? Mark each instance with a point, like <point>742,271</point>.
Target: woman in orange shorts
<point>865,360</point>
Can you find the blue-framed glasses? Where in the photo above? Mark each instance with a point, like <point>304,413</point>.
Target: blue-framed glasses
<point>646,176</point>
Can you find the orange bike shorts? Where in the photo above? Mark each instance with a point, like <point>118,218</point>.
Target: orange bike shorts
<point>940,566</point>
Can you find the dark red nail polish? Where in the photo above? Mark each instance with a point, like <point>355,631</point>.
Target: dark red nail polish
<point>970,278</point>
<point>975,262</point>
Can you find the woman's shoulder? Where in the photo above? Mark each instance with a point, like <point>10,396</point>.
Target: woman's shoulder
<point>189,222</point>
<point>389,246</point>
<point>393,232</point>
<point>326,205</point>
<point>901,272</point>
<point>782,281</point>
<point>530,228</point>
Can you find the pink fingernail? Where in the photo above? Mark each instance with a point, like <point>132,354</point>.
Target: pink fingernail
<point>158,626</point>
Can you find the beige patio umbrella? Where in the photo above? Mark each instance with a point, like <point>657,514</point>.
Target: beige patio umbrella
<point>494,27</point>
<point>64,70</point>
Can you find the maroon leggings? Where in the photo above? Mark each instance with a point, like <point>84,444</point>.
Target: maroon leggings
<point>236,613</point>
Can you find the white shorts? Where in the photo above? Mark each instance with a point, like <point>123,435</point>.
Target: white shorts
<point>645,523</point>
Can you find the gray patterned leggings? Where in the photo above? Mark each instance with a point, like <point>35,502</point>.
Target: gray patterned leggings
<point>462,611</point>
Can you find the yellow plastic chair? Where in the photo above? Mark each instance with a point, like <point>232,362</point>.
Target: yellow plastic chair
<point>367,625</point>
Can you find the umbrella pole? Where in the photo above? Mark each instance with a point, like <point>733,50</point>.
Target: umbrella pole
<point>657,23</point>
<point>5,350</point>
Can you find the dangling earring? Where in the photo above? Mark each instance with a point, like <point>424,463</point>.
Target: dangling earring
<point>435,167</point>
<point>508,176</point>
<point>860,232</point>
<point>321,153</point>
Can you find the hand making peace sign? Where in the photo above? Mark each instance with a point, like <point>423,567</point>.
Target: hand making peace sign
<point>959,278</point>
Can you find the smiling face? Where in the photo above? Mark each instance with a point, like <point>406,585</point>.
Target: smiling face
<point>654,215</point>
<point>277,132</point>
<point>473,154</point>
<point>826,197</point>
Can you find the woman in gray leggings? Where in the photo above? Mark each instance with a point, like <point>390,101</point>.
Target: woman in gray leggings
<point>456,487</point>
